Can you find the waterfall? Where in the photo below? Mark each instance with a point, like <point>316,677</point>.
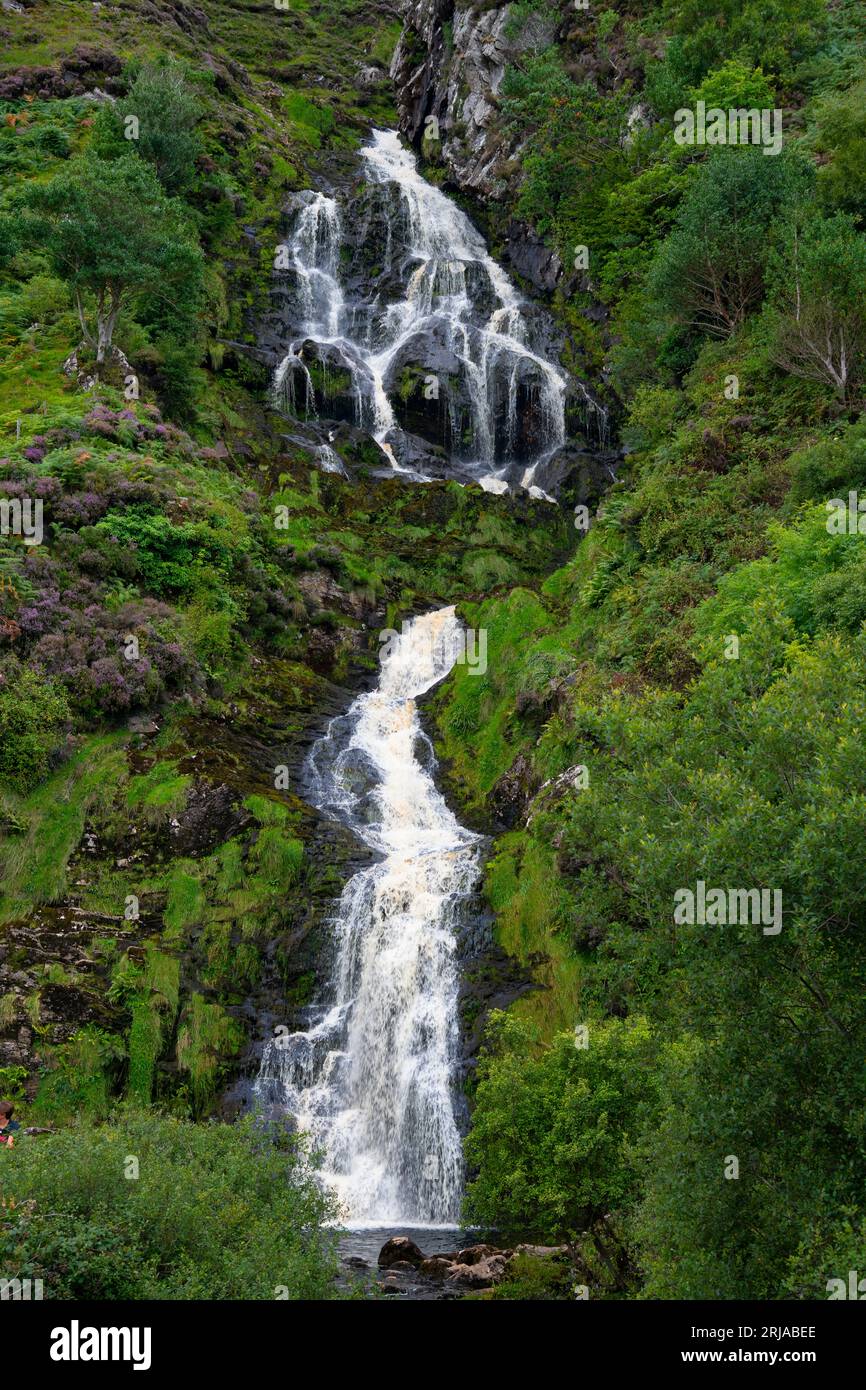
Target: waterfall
<point>399,283</point>
<point>438,303</point>
<point>372,1076</point>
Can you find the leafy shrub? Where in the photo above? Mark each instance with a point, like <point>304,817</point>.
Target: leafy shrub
<point>171,559</point>
<point>54,140</point>
<point>167,112</point>
<point>735,85</point>
<point>34,713</point>
<point>553,1125</point>
<point>216,1211</point>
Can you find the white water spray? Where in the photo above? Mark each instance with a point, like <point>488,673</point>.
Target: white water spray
<point>454,293</point>
<point>372,1078</point>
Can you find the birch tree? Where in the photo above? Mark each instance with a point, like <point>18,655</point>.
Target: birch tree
<point>818,303</point>
<point>109,230</point>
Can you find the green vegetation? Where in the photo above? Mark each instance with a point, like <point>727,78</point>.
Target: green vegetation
<point>702,658</point>
<point>201,592</point>
<point>148,1207</point>
<point>575,1108</point>
<point>33,713</point>
<point>109,233</point>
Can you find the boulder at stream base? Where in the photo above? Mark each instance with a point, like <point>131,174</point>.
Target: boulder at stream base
<point>482,1274</point>
<point>399,1250</point>
<point>474,1267</point>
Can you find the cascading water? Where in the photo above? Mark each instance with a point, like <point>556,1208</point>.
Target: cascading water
<point>372,1078</point>
<point>438,303</point>
<point>399,288</point>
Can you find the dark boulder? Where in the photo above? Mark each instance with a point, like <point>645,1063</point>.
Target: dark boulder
<point>531,257</point>
<point>400,1250</point>
<point>211,816</point>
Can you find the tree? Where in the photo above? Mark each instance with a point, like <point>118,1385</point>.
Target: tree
<point>552,1126</point>
<point>816,310</point>
<point>840,138</point>
<point>775,34</point>
<point>709,274</point>
<point>110,231</point>
<point>158,114</point>
<point>735,84</point>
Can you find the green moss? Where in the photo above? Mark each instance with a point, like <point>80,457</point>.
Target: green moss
<point>534,922</point>
<point>159,793</point>
<point>145,1040</point>
<point>33,866</point>
<point>278,858</point>
<point>185,905</point>
<point>208,1038</point>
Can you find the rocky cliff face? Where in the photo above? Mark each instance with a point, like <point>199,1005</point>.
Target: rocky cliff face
<point>448,70</point>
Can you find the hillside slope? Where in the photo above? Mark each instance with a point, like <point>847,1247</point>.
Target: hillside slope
<point>675,683</point>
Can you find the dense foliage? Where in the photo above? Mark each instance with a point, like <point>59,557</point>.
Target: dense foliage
<point>702,657</point>
<point>148,1207</point>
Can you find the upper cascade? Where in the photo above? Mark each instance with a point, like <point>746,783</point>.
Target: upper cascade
<point>400,321</point>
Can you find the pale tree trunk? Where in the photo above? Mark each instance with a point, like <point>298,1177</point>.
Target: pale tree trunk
<point>107,310</point>
<point>82,319</point>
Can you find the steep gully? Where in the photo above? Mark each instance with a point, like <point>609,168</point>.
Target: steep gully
<point>372,1074</point>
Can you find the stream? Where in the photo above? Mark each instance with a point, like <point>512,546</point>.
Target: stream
<point>371,1075</point>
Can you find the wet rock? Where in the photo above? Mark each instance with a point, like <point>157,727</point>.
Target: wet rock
<point>483,1274</point>
<point>211,816</point>
<point>400,1250</point>
<point>417,62</point>
<point>474,1254</point>
<point>436,1268</point>
<point>459,84</point>
<point>513,792</point>
<point>321,590</point>
<point>531,257</point>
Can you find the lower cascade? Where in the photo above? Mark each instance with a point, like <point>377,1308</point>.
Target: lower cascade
<point>372,1079</point>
